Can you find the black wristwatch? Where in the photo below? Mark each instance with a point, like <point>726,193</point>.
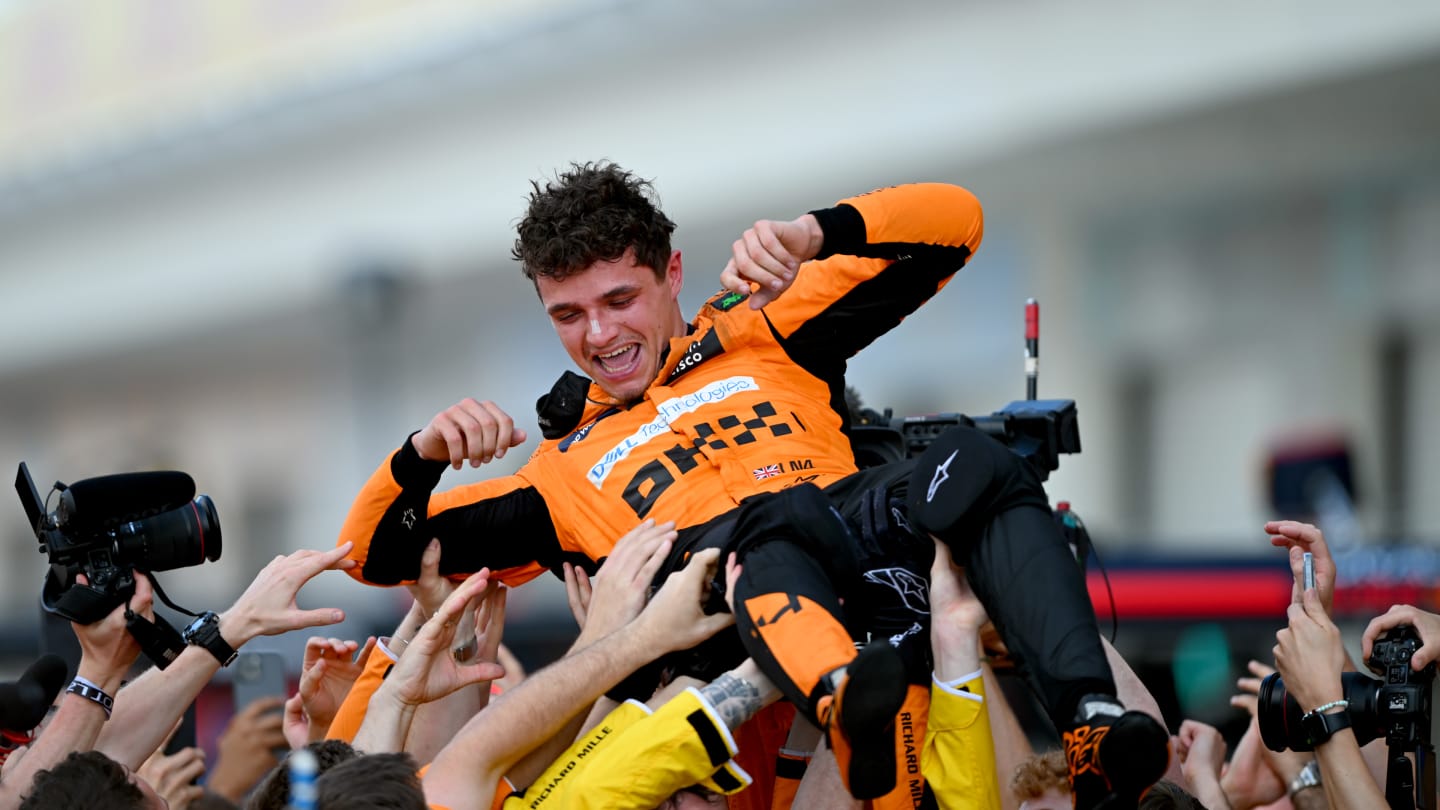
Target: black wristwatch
<point>205,632</point>
<point>1319,727</point>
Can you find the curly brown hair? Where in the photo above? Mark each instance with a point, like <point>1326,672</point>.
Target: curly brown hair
<point>593,212</point>
<point>1040,773</point>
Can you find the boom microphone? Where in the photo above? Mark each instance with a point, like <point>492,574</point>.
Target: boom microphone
<point>23,703</point>
<point>96,504</point>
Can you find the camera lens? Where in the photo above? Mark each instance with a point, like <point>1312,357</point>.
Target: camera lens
<point>179,538</point>
<point>1279,716</point>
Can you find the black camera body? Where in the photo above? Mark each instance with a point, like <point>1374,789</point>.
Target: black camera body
<point>1402,703</point>
<point>1396,706</point>
<point>1037,430</point>
<point>106,528</point>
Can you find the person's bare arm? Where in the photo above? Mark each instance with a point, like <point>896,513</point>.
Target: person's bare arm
<point>465,773</point>
<point>387,721</point>
<point>328,672</point>
<point>426,672</point>
<point>821,788</point>
<point>438,721</point>
<point>153,703</point>
<point>149,706</point>
<point>73,728</point>
<point>348,716</point>
<point>1012,745</point>
<point>739,694</point>
<point>957,731</point>
<point>1310,656</point>
<point>1135,696</point>
<point>173,776</point>
<point>1201,751</point>
<point>106,652</point>
<point>614,599</point>
<point>247,749</point>
<point>1298,538</point>
<point>1345,777</point>
<point>1256,775</point>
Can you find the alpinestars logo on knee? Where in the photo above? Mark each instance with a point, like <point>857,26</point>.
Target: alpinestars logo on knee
<point>942,474</point>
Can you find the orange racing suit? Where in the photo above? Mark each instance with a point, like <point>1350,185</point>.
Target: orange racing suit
<point>749,401</point>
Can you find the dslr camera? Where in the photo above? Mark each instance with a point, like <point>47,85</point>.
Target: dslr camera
<point>108,527</point>
<point>1396,707</point>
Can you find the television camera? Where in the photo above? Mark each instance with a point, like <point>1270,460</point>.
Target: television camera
<point>108,529</point>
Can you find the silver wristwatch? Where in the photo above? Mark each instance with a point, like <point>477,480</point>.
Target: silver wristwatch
<point>1308,777</point>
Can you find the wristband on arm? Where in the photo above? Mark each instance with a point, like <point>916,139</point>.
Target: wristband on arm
<point>93,693</point>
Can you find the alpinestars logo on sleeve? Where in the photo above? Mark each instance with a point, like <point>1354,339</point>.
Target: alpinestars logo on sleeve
<point>408,519</point>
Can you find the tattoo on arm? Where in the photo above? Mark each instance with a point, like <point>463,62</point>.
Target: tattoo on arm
<point>736,699</point>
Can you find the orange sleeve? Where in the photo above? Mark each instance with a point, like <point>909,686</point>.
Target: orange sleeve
<point>352,711</point>
<point>885,254</point>
<point>502,524</point>
<point>917,214</point>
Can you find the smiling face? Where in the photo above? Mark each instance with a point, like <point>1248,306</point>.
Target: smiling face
<point>615,319</point>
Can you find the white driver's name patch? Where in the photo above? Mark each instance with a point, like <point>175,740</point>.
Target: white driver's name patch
<point>717,391</point>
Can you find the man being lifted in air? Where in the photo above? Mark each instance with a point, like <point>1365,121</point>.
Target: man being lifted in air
<point>733,425</point>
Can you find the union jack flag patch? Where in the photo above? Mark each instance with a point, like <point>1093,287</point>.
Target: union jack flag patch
<point>769,471</point>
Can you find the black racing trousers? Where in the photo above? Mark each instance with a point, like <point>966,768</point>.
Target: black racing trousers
<point>826,569</point>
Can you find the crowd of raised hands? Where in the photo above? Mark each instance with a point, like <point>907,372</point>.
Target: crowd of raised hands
<point>442,692</point>
<point>1309,657</point>
<point>128,726</point>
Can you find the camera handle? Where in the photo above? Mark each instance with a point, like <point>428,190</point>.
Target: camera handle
<point>1400,792</point>
<point>158,639</point>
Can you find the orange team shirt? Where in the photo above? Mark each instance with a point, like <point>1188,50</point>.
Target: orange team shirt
<point>749,401</point>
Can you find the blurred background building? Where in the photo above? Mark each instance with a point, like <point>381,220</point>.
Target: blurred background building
<point>263,241</point>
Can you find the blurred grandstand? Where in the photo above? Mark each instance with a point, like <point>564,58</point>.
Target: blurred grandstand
<point>262,242</point>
